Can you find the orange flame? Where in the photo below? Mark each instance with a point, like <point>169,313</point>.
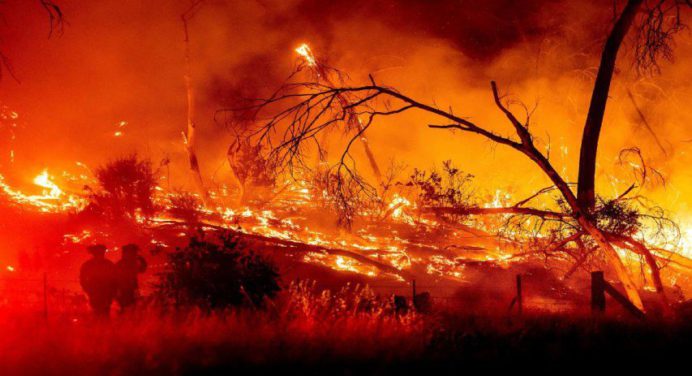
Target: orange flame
<point>305,51</point>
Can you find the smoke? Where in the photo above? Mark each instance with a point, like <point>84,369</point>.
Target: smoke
<point>123,61</point>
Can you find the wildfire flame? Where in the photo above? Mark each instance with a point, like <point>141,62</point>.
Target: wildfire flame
<point>305,51</point>
<point>52,198</point>
<point>394,249</point>
<point>44,180</point>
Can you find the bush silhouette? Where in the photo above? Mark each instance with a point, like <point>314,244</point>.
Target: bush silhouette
<point>218,274</point>
<point>125,189</point>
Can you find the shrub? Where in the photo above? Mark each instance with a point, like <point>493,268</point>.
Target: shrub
<point>617,217</point>
<point>449,188</point>
<point>218,274</point>
<point>185,206</point>
<point>126,187</point>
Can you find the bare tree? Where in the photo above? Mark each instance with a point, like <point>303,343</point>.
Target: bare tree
<point>658,22</point>
<point>190,137</point>
<point>323,74</point>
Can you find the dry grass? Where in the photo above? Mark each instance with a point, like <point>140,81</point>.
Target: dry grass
<point>306,327</point>
<point>350,331</point>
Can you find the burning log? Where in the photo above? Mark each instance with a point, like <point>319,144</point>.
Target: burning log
<point>514,210</point>
<point>302,247</point>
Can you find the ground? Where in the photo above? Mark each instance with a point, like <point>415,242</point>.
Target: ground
<point>196,343</point>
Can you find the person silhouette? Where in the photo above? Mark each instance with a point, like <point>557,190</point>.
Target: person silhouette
<point>96,276</point>
<point>127,269</point>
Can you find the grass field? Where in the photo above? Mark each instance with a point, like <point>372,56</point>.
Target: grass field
<point>345,332</point>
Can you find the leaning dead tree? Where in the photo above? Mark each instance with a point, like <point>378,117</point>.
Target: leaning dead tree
<point>190,136</point>
<point>655,23</point>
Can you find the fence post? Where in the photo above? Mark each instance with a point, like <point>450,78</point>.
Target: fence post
<point>413,297</point>
<point>520,299</point>
<point>598,301</point>
<point>45,295</point>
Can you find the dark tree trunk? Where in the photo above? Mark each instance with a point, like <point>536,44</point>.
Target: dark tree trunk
<point>599,97</point>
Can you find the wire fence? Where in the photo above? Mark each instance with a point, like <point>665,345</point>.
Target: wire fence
<point>48,294</point>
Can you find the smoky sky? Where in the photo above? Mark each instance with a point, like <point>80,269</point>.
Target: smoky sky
<point>123,61</point>
<point>481,30</point>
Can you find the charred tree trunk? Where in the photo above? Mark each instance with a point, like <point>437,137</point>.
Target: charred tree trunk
<point>589,227</point>
<point>599,97</point>
<point>190,136</point>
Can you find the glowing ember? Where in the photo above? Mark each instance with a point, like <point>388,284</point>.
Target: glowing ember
<point>305,51</point>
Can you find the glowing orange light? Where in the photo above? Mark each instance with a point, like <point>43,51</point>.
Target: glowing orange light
<point>305,51</point>
<point>44,180</point>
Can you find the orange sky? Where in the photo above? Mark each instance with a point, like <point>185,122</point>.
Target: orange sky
<point>123,61</point>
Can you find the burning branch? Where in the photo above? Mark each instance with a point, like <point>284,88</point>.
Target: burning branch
<point>354,122</point>
<point>512,210</point>
<point>301,247</point>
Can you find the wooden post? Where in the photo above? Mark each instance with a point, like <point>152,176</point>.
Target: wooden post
<point>622,299</point>
<point>45,295</point>
<point>413,298</point>
<point>520,299</point>
<point>598,302</point>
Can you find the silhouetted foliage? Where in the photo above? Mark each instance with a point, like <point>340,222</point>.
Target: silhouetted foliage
<point>126,187</point>
<point>617,217</point>
<point>250,165</point>
<point>185,206</point>
<point>450,188</point>
<point>218,274</point>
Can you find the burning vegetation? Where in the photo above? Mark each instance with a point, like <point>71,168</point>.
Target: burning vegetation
<point>293,197</point>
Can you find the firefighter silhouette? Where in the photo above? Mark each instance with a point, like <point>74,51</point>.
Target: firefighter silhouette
<point>97,277</point>
<point>127,269</point>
